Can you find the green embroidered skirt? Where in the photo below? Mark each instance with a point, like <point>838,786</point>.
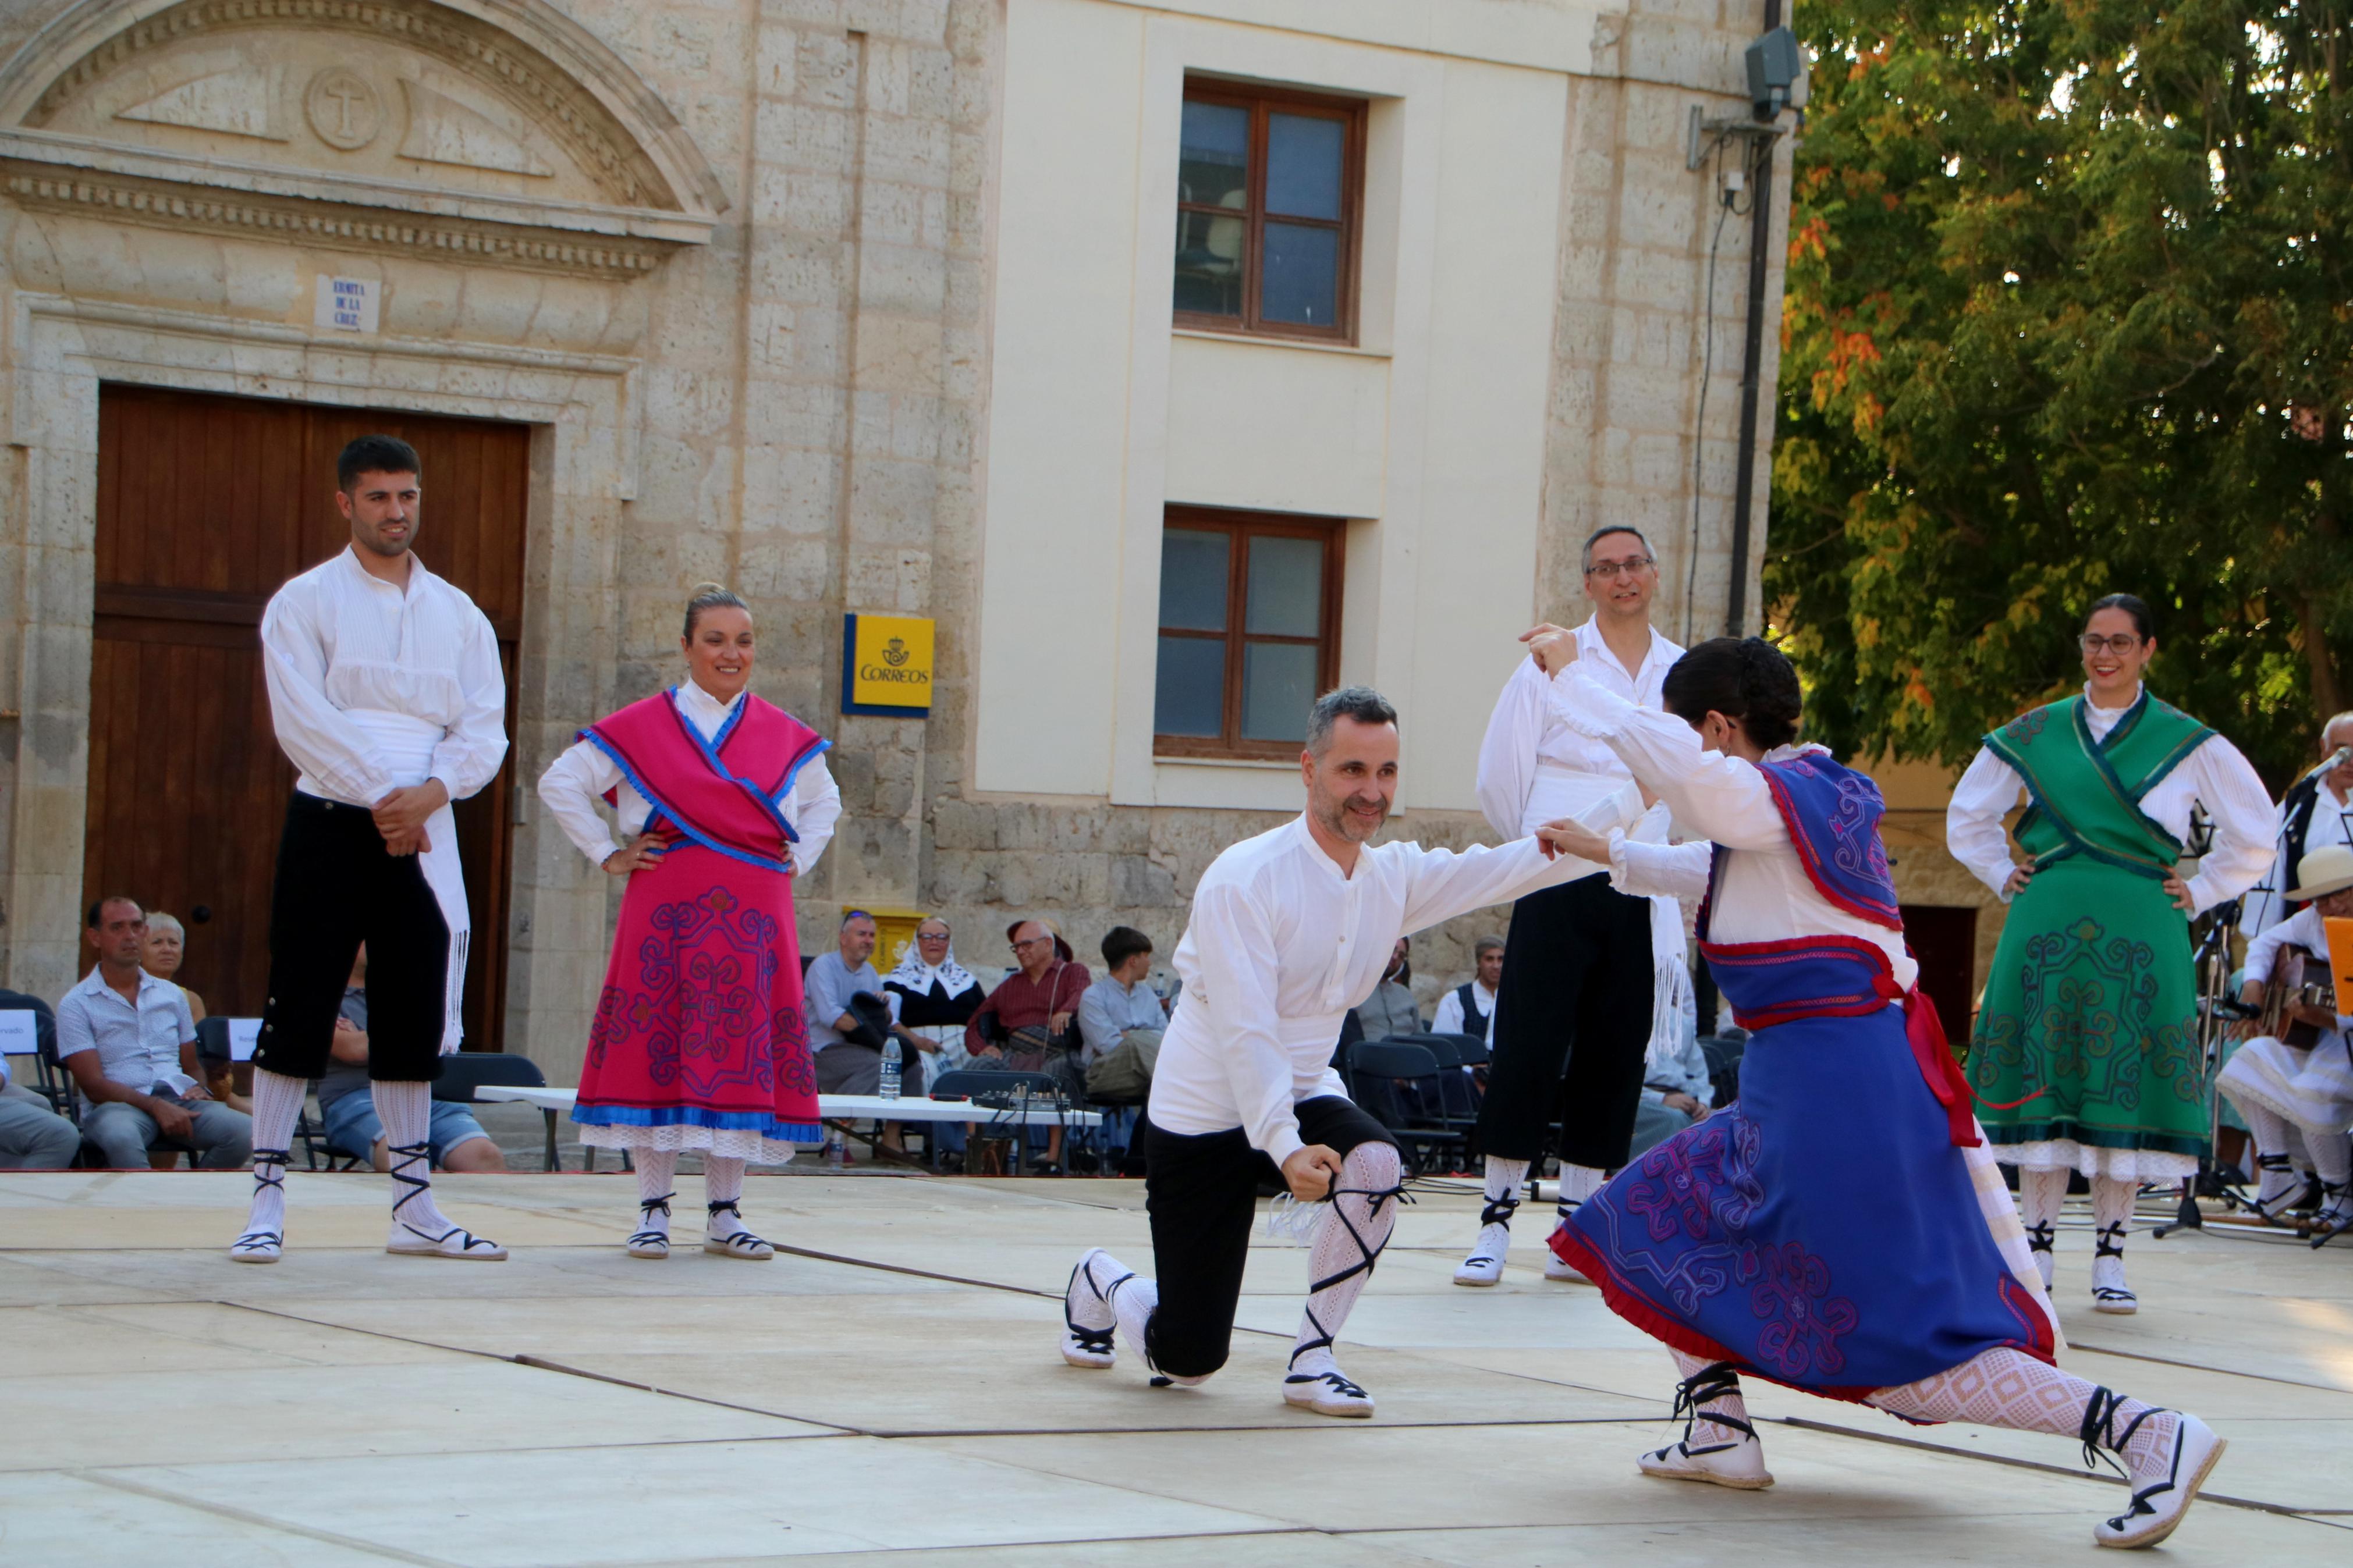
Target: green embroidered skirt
<point>2085,1053</point>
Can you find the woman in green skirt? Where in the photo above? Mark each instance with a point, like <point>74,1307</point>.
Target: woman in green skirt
<point>2085,1055</point>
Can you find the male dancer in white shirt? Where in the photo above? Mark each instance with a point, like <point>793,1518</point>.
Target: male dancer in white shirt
<point>1574,1012</point>
<point>386,692</point>
<point>1289,930</point>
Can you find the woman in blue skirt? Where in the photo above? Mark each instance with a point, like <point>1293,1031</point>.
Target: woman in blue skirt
<point>1841,1227</point>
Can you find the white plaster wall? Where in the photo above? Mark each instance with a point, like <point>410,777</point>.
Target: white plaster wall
<point>1430,438</point>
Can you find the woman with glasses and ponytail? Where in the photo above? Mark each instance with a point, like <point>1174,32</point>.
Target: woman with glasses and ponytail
<point>700,1041</point>
<point>2085,1056</point>
<point>1841,1229</point>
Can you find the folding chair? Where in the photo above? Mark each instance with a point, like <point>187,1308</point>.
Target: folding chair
<point>1389,1074</point>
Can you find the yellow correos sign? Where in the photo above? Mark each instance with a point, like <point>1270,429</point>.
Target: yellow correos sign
<point>886,666</point>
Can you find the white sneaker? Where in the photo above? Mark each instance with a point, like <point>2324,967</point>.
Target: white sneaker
<point>454,1242</point>
<point>258,1247</point>
<point>2171,1479</point>
<point>1485,1264</point>
<point>1088,1320</point>
<point>1327,1394</point>
<point>1739,1464</point>
<point>725,1235</point>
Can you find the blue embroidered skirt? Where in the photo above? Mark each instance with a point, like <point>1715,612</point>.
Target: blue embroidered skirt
<point>1823,1231</point>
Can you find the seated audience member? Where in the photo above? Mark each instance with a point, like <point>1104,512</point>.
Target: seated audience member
<point>848,1050</point>
<point>1470,1007</point>
<point>1031,1013</point>
<point>935,997</point>
<point>130,1044</point>
<point>32,1136</point>
<point>1121,1021</point>
<point>1676,1088</point>
<point>167,946</point>
<point>1389,1011</point>
<point>347,1105</point>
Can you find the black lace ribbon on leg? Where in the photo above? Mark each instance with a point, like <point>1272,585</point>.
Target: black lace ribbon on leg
<point>646,1209</point>
<point>1366,1256</point>
<point>1704,1388</point>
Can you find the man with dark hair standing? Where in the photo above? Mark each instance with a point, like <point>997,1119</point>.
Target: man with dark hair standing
<point>1244,1089</point>
<point>1573,1005</point>
<point>386,692</point>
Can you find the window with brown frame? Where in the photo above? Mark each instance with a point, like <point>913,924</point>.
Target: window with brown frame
<point>1250,631</point>
<point>1267,187</point>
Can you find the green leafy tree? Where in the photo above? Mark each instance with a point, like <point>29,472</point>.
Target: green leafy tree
<point>2068,313</point>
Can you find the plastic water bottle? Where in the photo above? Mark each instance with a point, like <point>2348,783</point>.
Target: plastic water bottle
<point>890,1068</point>
<point>837,1148</point>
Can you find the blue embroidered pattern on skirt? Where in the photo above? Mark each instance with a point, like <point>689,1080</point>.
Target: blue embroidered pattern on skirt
<point>1823,1231</point>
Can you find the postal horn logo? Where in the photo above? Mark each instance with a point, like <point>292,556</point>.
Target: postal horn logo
<point>895,652</point>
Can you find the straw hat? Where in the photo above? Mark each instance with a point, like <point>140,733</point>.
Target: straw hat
<point>2326,870</point>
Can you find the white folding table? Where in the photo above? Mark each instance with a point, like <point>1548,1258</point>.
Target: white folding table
<point>830,1108</point>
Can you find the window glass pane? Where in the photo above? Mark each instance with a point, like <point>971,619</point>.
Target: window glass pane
<point>1213,156</point>
<point>1278,689</point>
<point>1210,264</point>
<point>1303,163</point>
<point>1302,285</point>
<point>1189,698</point>
<point>1286,587</point>
<point>1193,579</point>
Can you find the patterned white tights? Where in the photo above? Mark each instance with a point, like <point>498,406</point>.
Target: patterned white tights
<point>657,1171</point>
<point>2010,1389</point>
<point>1348,1242</point>
<point>1706,1434</point>
<point>2041,1195</point>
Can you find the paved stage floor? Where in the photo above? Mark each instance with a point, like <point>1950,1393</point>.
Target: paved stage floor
<point>892,1385</point>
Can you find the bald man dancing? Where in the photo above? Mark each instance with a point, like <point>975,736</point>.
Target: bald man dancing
<point>1289,930</point>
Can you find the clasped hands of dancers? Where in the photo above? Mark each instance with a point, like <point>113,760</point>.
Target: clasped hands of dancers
<point>1840,1229</point>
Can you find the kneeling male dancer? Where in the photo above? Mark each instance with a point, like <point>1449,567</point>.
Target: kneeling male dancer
<point>1289,931</point>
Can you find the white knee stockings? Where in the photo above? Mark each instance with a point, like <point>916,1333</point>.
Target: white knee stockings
<point>1347,1244</point>
<point>276,1107</point>
<point>2041,1195</point>
<point>406,1109</point>
<point>657,1174</point>
<point>2112,1205</point>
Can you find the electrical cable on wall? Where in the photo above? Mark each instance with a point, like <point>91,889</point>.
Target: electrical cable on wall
<point>1727,206</point>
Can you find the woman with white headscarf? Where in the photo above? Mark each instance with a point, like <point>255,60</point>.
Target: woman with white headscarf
<point>936,997</point>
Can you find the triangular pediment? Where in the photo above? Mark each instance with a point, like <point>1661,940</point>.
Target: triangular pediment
<point>466,113</point>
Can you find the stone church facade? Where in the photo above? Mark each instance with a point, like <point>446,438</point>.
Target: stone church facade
<point>857,306</point>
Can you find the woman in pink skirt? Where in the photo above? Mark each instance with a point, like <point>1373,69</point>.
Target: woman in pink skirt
<point>699,1042</point>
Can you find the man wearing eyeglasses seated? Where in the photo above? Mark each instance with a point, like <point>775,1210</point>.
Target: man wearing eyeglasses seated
<point>1573,1007</point>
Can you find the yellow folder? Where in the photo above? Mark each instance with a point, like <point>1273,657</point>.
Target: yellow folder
<point>2340,955</point>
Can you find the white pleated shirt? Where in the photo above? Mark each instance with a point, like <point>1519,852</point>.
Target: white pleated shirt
<point>1533,769</point>
<point>374,687</point>
<point>1279,944</point>
<point>1763,894</point>
<point>574,785</point>
<point>2216,775</point>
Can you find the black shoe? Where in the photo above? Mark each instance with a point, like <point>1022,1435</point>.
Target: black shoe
<point>1084,1163</point>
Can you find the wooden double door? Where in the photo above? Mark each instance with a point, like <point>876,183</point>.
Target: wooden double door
<point>206,505</point>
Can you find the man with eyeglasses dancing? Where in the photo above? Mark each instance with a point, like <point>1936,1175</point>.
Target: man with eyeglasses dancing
<point>1582,974</point>
<point>1288,930</point>
<point>2085,1056</point>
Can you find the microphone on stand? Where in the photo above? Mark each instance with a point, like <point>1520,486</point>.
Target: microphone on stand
<point>2334,760</point>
